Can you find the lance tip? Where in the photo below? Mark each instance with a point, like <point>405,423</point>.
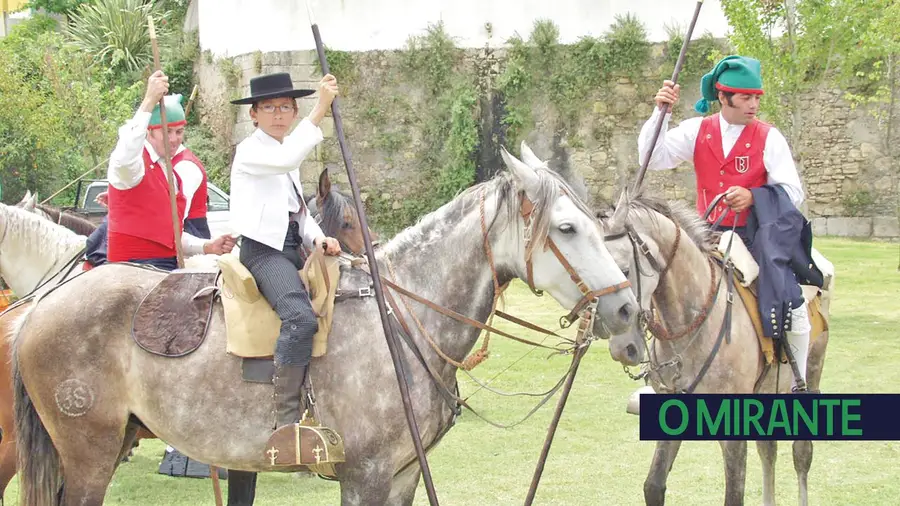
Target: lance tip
<point>309,13</point>
<point>152,28</point>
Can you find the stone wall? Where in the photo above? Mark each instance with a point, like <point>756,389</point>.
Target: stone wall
<point>845,170</point>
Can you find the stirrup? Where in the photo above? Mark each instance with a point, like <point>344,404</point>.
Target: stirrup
<point>306,443</point>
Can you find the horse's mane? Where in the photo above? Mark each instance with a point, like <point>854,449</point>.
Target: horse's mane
<point>25,226</point>
<point>505,188</point>
<point>72,222</point>
<point>683,215</point>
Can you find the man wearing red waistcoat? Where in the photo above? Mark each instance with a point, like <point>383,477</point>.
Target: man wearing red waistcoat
<point>733,153</point>
<point>140,217</point>
<point>140,222</point>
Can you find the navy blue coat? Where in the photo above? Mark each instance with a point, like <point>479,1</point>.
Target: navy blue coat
<point>781,244</point>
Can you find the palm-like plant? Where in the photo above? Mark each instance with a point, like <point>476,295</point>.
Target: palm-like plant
<point>115,32</point>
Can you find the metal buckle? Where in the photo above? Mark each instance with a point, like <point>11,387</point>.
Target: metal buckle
<point>365,292</point>
<point>729,297</point>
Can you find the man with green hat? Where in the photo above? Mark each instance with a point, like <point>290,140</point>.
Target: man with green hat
<point>140,219</point>
<point>742,159</point>
<point>140,228</point>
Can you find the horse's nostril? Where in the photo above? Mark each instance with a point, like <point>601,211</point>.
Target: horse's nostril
<point>631,350</point>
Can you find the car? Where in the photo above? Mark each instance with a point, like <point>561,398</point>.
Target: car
<point>217,205</point>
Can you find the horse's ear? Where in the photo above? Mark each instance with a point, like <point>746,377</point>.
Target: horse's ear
<point>30,203</point>
<point>617,222</point>
<point>531,159</point>
<point>25,199</point>
<point>525,175</point>
<point>324,184</point>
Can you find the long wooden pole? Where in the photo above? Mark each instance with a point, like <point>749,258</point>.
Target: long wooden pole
<point>176,225</point>
<point>170,175</point>
<point>77,179</point>
<point>581,348</point>
<point>664,109</point>
<point>376,278</point>
<point>187,110</point>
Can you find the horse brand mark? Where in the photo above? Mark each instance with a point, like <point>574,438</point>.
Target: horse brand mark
<point>742,164</point>
<point>74,397</point>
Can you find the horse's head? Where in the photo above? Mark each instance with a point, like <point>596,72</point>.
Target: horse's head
<point>642,235</point>
<point>563,251</point>
<point>336,214</point>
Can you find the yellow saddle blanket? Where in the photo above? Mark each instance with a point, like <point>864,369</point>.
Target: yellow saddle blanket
<point>252,325</point>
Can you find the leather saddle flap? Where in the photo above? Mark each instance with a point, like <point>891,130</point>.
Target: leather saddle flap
<point>172,319</point>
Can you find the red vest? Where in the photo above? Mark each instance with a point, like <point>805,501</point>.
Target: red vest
<point>140,219</point>
<point>198,201</point>
<point>716,173</point>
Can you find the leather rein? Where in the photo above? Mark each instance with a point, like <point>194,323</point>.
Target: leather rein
<point>583,309</point>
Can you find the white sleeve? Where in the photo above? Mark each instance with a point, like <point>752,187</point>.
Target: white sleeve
<point>191,177</point>
<point>126,164</point>
<point>673,147</point>
<point>255,158</point>
<point>191,245</point>
<point>780,166</point>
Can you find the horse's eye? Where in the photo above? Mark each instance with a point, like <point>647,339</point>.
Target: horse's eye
<point>567,228</point>
<point>346,226</point>
<point>626,271</point>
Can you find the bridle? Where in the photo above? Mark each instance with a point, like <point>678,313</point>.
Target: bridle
<point>588,296</point>
<point>657,329</point>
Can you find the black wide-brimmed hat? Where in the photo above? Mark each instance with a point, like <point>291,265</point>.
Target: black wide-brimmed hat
<point>272,86</point>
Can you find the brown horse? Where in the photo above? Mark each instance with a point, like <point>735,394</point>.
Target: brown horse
<point>674,269</point>
<point>80,378</point>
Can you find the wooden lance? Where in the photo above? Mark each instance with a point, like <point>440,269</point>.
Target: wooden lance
<point>376,278</point>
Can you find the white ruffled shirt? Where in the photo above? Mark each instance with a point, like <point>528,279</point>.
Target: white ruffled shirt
<point>677,146</point>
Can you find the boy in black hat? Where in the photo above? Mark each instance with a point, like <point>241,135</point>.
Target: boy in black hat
<point>268,211</point>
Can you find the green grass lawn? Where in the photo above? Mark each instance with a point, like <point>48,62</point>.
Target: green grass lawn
<point>597,458</point>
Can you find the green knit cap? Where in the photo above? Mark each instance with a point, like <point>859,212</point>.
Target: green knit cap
<point>737,74</point>
<point>174,113</point>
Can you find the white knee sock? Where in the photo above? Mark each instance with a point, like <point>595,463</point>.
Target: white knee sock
<point>798,337</point>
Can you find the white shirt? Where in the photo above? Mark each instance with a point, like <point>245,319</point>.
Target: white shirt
<point>677,146</point>
<point>126,169</point>
<point>265,183</point>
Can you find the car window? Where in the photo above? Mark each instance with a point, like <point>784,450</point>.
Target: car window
<point>90,203</point>
<point>215,201</point>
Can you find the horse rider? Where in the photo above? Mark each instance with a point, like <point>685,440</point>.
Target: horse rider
<point>735,153</point>
<point>140,229</point>
<point>139,218</point>
<point>270,216</point>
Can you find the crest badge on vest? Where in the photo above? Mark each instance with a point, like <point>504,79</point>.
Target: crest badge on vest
<point>742,164</point>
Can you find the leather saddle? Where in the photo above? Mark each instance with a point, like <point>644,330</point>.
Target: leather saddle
<point>173,318</point>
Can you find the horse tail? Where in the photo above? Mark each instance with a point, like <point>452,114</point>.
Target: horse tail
<point>38,461</point>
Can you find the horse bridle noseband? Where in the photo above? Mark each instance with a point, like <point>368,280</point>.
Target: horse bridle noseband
<point>588,296</point>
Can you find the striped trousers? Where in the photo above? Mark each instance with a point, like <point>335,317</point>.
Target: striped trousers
<point>276,276</point>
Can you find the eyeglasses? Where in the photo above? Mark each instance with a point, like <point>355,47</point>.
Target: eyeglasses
<point>284,108</point>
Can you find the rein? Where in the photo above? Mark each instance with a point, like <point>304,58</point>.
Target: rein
<point>582,310</point>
